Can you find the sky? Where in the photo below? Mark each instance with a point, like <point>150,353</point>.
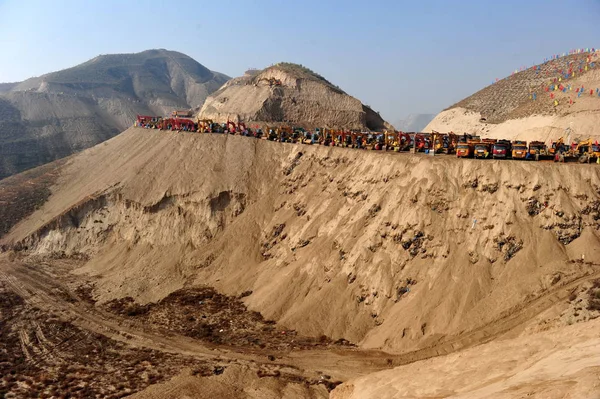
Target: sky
<point>400,57</point>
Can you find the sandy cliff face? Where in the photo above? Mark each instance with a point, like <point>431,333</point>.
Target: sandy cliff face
<point>302,98</point>
<point>387,250</point>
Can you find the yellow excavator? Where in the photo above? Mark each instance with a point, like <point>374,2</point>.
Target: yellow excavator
<point>586,151</point>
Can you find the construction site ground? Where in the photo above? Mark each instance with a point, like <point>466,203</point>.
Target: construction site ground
<point>57,343</point>
<point>132,277</point>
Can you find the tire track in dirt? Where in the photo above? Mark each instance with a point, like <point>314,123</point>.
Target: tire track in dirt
<point>40,290</point>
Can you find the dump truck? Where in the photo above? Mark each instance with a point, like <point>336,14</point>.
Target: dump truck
<point>501,149</point>
<point>538,150</point>
<point>483,149</point>
<point>519,149</point>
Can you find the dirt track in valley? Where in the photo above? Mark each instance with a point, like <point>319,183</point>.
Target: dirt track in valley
<point>41,290</point>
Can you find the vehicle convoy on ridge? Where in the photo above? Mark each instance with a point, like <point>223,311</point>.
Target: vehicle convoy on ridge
<point>464,146</point>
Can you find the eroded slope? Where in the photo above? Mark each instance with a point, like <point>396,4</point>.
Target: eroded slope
<point>390,250</point>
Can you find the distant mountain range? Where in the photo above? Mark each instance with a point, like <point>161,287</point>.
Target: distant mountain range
<point>414,122</point>
<point>57,114</point>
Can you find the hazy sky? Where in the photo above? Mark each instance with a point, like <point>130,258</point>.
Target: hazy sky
<point>398,56</point>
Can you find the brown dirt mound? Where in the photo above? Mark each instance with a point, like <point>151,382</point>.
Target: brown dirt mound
<point>204,314</point>
<point>299,97</point>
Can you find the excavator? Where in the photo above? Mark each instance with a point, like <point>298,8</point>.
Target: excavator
<point>349,139</point>
<point>443,143</point>
<point>378,142</point>
<point>586,151</point>
<point>327,137</point>
<point>404,141</point>
<point>391,141</point>
<point>338,138</point>
<point>557,147</point>
<point>272,134</point>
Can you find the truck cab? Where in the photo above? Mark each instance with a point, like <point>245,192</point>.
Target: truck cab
<point>501,150</point>
<point>519,150</point>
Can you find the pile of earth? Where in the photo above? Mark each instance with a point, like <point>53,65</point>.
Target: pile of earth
<point>289,94</point>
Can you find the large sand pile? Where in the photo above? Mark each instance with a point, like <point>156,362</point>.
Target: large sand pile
<point>301,98</point>
<point>511,113</point>
<point>387,250</point>
<point>558,364</point>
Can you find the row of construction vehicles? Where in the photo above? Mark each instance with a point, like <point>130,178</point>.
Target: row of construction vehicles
<point>464,146</point>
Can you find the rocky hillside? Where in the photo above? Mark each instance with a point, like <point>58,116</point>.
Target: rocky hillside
<point>292,94</point>
<point>57,114</point>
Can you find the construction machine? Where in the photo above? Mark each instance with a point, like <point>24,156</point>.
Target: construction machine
<point>338,138</point>
<point>501,149</point>
<point>272,135</point>
<point>538,150</point>
<point>557,147</point>
<point>466,146</point>
<point>182,114</point>
<point>586,151</point>
<point>404,141</point>
<point>378,142</point>
<point>149,122</point>
<point>204,125</point>
<point>348,140</point>
<point>437,142</point>
<point>444,143</point>
<point>180,124</point>
<point>483,148</point>
<point>359,140</point>
<point>231,128</point>
<point>519,149</point>
<point>327,138</point>
<point>391,141</point>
